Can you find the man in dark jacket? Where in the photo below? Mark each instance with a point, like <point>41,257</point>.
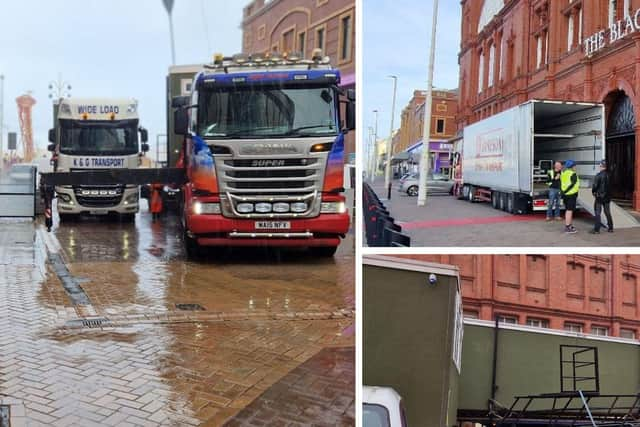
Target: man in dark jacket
<point>602,193</point>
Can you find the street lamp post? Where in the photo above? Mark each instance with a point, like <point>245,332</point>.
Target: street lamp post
<point>58,90</point>
<point>168,5</point>
<point>375,147</point>
<point>387,170</point>
<point>425,162</point>
<point>370,157</point>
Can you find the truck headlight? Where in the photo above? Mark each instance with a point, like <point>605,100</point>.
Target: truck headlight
<point>200,208</point>
<point>263,207</point>
<point>333,207</point>
<point>299,207</point>
<point>131,198</point>
<point>244,208</point>
<point>281,207</point>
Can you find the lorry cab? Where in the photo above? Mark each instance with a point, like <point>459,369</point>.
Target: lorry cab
<point>97,133</point>
<point>382,407</point>
<point>264,149</point>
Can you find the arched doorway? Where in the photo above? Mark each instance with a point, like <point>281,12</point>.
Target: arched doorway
<point>620,152</point>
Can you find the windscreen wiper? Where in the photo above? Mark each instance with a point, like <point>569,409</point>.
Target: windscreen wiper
<point>297,130</point>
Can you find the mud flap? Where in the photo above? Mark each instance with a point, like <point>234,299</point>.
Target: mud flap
<point>521,204</point>
<point>621,218</point>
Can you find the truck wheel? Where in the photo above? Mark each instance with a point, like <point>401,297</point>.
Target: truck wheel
<point>66,217</point>
<point>495,202</point>
<point>128,217</point>
<point>465,191</point>
<point>412,191</point>
<point>323,251</point>
<point>472,194</point>
<point>191,247</point>
<point>510,203</point>
<point>502,203</point>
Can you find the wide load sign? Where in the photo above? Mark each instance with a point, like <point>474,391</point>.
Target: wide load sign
<point>619,30</point>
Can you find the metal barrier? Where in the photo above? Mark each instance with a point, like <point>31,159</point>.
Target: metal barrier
<point>380,228</point>
<point>18,192</point>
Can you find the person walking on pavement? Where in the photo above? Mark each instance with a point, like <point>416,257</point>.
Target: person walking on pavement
<point>155,205</point>
<point>602,193</point>
<point>553,181</point>
<point>569,187</point>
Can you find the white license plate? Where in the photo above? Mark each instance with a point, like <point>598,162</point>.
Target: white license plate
<point>98,212</point>
<point>273,225</point>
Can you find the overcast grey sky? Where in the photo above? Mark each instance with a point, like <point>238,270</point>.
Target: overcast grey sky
<point>106,48</point>
<point>396,39</point>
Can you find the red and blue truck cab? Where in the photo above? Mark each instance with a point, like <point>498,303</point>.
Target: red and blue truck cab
<point>264,153</point>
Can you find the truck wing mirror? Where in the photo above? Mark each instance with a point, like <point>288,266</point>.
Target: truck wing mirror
<point>144,135</point>
<point>180,121</point>
<point>351,95</point>
<point>51,147</point>
<point>144,147</point>
<point>350,115</point>
<point>180,101</point>
<point>52,135</point>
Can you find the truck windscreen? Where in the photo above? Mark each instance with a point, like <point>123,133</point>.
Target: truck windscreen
<point>267,111</point>
<point>93,137</point>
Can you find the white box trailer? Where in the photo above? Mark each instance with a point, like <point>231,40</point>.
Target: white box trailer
<point>505,157</point>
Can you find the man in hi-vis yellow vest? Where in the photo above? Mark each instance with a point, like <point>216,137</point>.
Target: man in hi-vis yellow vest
<point>569,187</point>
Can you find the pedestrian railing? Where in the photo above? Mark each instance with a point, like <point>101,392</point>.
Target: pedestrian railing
<point>380,228</point>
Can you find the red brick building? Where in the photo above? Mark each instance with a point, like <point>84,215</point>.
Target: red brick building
<point>583,293</point>
<point>578,50</point>
<point>301,26</point>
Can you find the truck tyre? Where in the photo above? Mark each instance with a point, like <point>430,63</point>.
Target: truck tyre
<point>128,218</point>
<point>510,203</point>
<point>495,200</point>
<point>465,192</point>
<point>472,194</point>
<point>66,217</point>
<point>502,203</point>
<point>191,247</point>
<point>323,251</point>
<point>412,191</point>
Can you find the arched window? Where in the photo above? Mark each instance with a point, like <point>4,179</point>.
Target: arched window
<point>492,60</point>
<point>489,10</point>
<point>481,73</point>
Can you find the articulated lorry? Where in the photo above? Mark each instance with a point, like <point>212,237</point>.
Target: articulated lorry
<point>264,153</point>
<point>97,134</point>
<point>505,157</point>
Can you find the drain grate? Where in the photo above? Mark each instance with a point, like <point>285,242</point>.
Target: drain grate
<point>89,322</point>
<point>4,416</point>
<point>189,307</point>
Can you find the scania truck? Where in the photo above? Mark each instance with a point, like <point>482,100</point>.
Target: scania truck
<point>263,151</point>
<point>92,134</point>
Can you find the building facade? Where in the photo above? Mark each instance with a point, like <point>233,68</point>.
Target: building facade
<point>443,128</point>
<point>574,50</point>
<point>302,26</point>
<point>597,295</point>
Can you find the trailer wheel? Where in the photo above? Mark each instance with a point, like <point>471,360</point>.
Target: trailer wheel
<point>323,251</point>
<point>465,191</point>
<point>495,200</point>
<point>472,194</point>
<point>510,203</point>
<point>502,203</point>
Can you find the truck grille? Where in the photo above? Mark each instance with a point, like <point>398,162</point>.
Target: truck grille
<point>254,176</point>
<point>99,196</point>
<point>289,185</point>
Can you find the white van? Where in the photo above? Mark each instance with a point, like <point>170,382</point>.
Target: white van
<point>382,407</point>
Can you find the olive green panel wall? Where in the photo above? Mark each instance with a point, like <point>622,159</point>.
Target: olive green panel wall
<point>408,327</point>
<point>529,364</point>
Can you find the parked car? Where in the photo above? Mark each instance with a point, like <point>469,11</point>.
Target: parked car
<point>382,407</point>
<point>437,184</point>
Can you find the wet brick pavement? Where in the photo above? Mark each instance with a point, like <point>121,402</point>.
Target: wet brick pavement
<point>152,364</point>
<point>305,397</point>
<point>448,222</point>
